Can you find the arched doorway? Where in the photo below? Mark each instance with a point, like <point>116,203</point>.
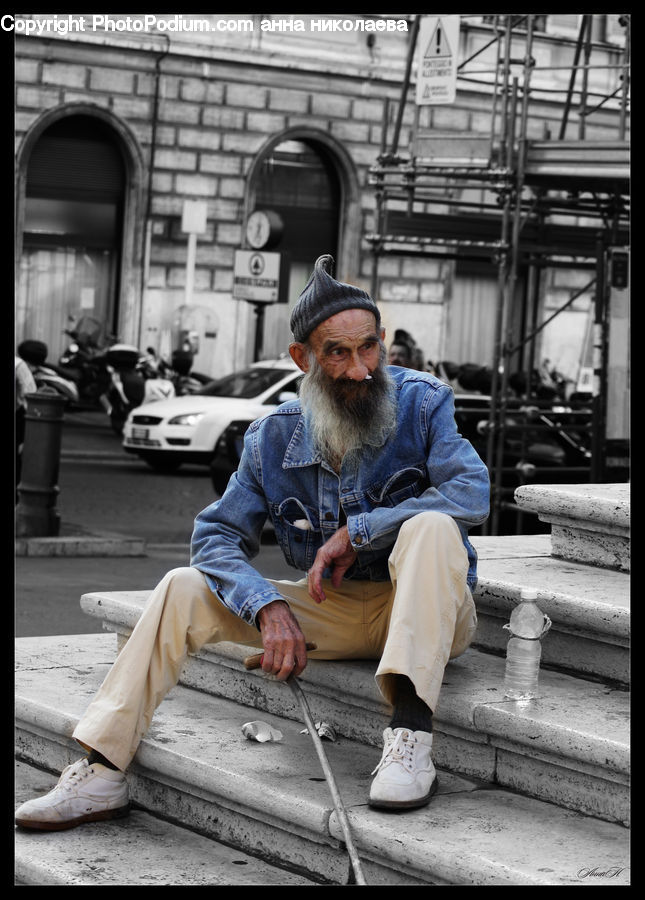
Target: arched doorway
<point>311,187</point>
<point>299,182</point>
<point>75,181</point>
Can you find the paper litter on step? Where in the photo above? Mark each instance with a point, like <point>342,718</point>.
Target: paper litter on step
<point>261,731</point>
<point>324,729</point>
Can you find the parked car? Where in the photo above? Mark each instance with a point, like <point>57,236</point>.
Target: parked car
<point>227,454</point>
<point>168,433</point>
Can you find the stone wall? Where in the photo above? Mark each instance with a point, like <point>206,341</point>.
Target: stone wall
<point>221,98</point>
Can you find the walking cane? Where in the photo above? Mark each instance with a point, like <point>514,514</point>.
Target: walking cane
<point>254,662</point>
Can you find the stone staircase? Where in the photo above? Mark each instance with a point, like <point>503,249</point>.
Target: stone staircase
<point>530,793</point>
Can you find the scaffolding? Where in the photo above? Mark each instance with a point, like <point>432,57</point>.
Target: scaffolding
<point>556,202</point>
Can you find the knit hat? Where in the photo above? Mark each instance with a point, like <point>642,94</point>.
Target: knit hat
<point>323,297</point>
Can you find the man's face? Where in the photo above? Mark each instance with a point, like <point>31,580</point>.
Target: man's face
<point>399,355</point>
<point>346,346</point>
<point>346,390</point>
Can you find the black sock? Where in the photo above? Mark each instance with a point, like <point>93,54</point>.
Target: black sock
<point>96,757</point>
<point>409,710</point>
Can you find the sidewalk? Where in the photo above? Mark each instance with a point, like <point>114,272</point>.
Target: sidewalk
<point>86,434</point>
<point>115,520</point>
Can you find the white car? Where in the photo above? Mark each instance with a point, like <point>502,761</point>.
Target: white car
<point>167,433</point>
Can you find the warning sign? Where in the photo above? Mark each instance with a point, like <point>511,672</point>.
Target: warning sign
<point>437,59</point>
<point>256,276</point>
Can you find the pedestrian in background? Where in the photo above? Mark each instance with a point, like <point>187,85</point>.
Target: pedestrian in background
<point>24,384</point>
<point>400,355</point>
<point>405,352</point>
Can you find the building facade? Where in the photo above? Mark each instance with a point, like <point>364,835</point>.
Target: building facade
<point>145,143</point>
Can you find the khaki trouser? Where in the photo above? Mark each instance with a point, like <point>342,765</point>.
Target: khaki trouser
<point>412,624</point>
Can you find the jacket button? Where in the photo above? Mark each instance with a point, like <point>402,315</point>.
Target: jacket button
<point>329,516</point>
<point>358,540</point>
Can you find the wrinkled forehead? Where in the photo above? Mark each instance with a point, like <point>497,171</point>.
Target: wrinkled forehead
<point>350,326</point>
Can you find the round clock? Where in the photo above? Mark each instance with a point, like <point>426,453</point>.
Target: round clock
<point>262,228</point>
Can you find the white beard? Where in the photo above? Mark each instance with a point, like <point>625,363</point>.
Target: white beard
<point>338,429</point>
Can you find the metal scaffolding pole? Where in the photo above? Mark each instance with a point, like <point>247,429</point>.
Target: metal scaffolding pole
<point>537,183</point>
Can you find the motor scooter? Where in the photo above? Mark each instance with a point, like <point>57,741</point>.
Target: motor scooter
<point>180,372</point>
<point>106,373</point>
<point>84,362</point>
<point>46,377</point>
<point>127,384</point>
<point>544,437</point>
<point>157,385</point>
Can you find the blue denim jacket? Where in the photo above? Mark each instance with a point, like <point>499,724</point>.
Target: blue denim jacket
<point>424,465</point>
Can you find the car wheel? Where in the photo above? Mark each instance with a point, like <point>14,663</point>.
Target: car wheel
<point>219,481</point>
<point>162,463</point>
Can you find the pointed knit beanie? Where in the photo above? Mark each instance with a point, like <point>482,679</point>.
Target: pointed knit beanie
<point>323,297</point>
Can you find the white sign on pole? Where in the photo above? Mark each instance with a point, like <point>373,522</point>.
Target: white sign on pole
<point>193,222</point>
<point>256,276</point>
<point>437,60</point>
<point>193,216</point>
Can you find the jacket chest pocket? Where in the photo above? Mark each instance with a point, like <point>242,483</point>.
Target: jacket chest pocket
<point>297,530</point>
<point>403,485</point>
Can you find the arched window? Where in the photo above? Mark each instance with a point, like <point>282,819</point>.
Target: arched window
<point>298,179</point>
<point>72,230</point>
<point>299,182</point>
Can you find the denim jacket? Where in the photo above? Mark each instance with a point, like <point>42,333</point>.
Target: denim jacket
<point>425,464</point>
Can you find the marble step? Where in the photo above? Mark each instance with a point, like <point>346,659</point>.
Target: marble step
<point>589,606</point>
<point>140,850</point>
<point>590,523</point>
<point>555,747</point>
<point>196,769</point>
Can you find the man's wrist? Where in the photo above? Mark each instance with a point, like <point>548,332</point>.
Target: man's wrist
<point>264,610</point>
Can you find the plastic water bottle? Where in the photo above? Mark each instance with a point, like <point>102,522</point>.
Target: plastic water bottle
<point>528,625</point>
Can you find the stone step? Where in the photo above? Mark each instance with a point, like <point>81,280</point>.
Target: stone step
<point>555,747</point>
<point>589,606</point>
<point>590,523</point>
<point>195,768</point>
<point>142,849</point>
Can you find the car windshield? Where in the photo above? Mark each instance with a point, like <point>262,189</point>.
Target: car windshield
<point>245,384</point>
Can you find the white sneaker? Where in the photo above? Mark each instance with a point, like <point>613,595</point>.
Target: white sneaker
<point>405,776</point>
<point>84,793</point>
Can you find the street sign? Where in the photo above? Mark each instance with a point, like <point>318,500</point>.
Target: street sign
<point>256,276</point>
<point>193,217</point>
<point>437,60</point>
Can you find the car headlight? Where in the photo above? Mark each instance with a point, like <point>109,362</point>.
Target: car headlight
<point>187,419</point>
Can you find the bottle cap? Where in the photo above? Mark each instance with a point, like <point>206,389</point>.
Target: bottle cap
<point>528,594</point>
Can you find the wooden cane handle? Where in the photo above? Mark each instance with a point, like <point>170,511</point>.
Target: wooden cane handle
<point>254,662</point>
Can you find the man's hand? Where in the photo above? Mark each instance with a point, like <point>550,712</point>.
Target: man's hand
<point>285,652</point>
<point>338,553</point>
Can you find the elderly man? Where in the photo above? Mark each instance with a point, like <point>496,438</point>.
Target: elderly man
<point>371,491</point>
